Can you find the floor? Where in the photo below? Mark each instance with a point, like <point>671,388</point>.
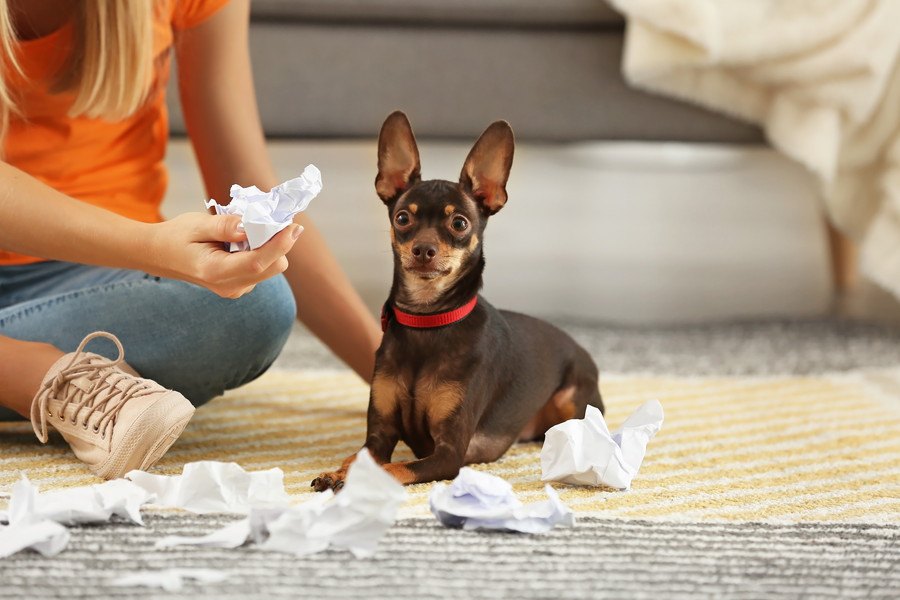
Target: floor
<point>420,559</point>
<point>596,559</point>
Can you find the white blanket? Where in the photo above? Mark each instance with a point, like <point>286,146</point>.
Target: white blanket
<point>822,77</point>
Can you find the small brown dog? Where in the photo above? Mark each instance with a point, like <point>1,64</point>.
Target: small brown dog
<point>456,379</point>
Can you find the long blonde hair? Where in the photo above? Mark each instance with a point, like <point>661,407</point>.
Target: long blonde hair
<point>110,67</point>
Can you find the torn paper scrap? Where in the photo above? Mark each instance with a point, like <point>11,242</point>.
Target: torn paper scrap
<point>210,486</point>
<point>45,536</point>
<point>28,530</point>
<point>36,519</point>
<point>171,580</point>
<point>583,452</point>
<point>476,500</point>
<point>264,214</point>
<point>232,535</point>
<point>93,503</point>
<point>355,519</point>
<point>84,504</point>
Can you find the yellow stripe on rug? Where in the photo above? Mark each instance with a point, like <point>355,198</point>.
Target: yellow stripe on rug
<point>778,449</point>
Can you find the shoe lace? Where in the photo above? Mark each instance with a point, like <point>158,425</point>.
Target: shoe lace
<point>110,390</point>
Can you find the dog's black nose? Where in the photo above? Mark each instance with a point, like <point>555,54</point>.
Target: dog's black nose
<point>424,253</point>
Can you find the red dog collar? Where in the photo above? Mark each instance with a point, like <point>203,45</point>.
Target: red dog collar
<point>427,321</point>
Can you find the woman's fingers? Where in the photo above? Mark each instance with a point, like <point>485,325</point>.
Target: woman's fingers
<point>241,292</point>
<point>224,228</point>
<point>189,247</point>
<point>249,268</point>
<point>255,264</point>
<point>276,268</point>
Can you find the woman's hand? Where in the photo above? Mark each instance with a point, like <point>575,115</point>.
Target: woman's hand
<point>190,247</point>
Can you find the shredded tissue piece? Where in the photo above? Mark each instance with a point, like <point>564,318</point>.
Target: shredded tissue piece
<point>171,580</point>
<point>476,500</point>
<point>26,528</point>
<point>210,486</point>
<point>86,504</point>
<point>36,520</point>
<point>264,214</point>
<point>355,519</point>
<point>583,452</point>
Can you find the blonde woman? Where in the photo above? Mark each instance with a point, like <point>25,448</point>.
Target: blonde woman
<point>83,248</point>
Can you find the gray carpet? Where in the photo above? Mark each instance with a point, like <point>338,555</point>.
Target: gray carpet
<point>596,559</point>
<point>419,559</point>
<point>741,348</point>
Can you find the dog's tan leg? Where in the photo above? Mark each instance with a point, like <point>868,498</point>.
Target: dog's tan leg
<point>449,427</point>
<point>451,440</point>
<point>382,430</point>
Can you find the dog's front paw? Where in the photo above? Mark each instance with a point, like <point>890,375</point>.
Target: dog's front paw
<point>328,481</point>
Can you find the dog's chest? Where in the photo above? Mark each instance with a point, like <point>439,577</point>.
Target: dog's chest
<point>420,404</point>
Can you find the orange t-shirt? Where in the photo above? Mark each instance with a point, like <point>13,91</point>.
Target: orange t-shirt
<point>115,165</point>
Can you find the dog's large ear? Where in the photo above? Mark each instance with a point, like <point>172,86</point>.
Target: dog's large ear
<point>398,157</point>
<point>486,169</point>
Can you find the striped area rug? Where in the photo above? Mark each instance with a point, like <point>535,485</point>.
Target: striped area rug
<point>781,450</point>
<point>420,560</point>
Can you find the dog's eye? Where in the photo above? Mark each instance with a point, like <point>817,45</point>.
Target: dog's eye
<point>459,223</point>
<point>401,218</point>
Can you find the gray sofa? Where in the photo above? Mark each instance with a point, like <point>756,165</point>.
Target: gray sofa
<point>335,68</point>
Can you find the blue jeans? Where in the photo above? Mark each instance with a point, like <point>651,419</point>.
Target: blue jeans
<point>180,335</point>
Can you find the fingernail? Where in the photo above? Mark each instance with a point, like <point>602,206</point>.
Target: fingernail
<point>298,229</point>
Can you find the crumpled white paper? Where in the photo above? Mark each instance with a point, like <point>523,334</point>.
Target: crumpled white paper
<point>171,580</point>
<point>476,500</point>
<point>264,214</point>
<point>42,536</point>
<point>355,519</point>
<point>210,486</point>
<point>36,519</point>
<point>86,504</point>
<point>93,503</point>
<point>583,452</point>
<point>26,529</point>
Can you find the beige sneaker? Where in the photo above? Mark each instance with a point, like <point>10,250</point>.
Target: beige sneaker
<point>114,420</point>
